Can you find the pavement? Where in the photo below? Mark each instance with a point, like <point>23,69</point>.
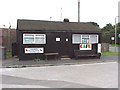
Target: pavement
<point>15,62</point>
<point>114,49</point>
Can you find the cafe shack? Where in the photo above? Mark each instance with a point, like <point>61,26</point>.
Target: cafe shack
<point>37,39</point>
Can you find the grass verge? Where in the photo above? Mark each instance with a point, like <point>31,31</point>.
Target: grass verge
<point>118,45</point>
<point>8,54</point>
<point>110,53</point>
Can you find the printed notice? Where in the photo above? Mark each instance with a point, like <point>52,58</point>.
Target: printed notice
<point>34,50</point>
<point>85,47</point>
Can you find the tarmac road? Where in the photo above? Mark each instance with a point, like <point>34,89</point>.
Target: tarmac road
<point>93,75</point>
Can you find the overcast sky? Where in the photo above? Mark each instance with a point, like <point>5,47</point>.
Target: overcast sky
<point>100,11</point>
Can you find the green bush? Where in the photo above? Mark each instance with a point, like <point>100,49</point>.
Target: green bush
<point>8,54</point>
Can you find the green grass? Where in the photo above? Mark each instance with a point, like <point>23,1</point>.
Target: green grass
<point>110,54</point>
<point>8,54</point>
<point>114,45</point>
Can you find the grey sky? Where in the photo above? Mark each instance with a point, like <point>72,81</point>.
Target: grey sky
<point>100,11</point>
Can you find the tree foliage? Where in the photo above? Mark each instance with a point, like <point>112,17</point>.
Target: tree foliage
<point>108,31</point>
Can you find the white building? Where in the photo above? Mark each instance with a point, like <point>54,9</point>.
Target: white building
<point>119,11</point>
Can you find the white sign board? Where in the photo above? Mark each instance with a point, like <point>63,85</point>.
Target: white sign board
<point>112,38</point>
<point>85,46</point>
<point>119,35</point>
<point>99,48</point>
<point>34,50</point>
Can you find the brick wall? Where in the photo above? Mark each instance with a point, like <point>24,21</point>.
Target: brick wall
<point>7,37</point>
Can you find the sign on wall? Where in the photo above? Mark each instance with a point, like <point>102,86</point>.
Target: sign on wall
<point>34,50</point>
<point>99,48</point>
<point>85,47</point>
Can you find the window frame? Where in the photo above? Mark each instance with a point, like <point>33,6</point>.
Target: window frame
<point>34,38</point>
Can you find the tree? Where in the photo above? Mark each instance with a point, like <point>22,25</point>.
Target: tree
<point>108,27</point>
<point>107,33</point>
<point>118,28</point>
<point>118,32</point>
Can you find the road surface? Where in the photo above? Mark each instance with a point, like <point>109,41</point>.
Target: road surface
<point>96,75</point>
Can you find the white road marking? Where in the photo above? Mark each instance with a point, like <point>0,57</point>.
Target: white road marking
<point>97,63</point>
<point>22,86</point>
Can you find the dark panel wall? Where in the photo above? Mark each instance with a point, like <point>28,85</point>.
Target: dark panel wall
<point>63,47</point>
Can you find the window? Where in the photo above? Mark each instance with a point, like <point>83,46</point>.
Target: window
<point>40,39</point>
<point>84,39</point>
<point>93,38</point>
<point>67,39</point>
<point>57,39</point>
<point>76,38</point>
<point>34,39</point>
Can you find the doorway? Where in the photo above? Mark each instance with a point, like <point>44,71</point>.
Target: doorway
<point>64,44</point>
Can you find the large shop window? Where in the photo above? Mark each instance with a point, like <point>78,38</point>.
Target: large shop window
<point>84,38</point>
<point>34,39</point>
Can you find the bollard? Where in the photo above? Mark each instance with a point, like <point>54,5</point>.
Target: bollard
<point>2,53</point>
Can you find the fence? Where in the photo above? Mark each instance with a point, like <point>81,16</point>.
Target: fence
<point>105,47</point>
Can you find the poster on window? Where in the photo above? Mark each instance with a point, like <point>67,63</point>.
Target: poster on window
<point>34,50</point>
<point>85,47</point>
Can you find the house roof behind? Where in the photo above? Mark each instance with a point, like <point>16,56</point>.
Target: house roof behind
<point>56,26</point>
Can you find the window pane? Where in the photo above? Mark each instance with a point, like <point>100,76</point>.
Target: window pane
<point>76,38</point>
<point>40,39</point>
<point>85,38</point>
<point>28,38</point>
<point>93,38</point>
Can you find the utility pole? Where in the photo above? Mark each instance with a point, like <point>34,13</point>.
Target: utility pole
<point>116,31</point>
<point>61,15</point>
<point>9,37</point>
<point>78,10</point>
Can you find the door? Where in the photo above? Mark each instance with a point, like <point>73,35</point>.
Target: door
<point>64,44</point>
